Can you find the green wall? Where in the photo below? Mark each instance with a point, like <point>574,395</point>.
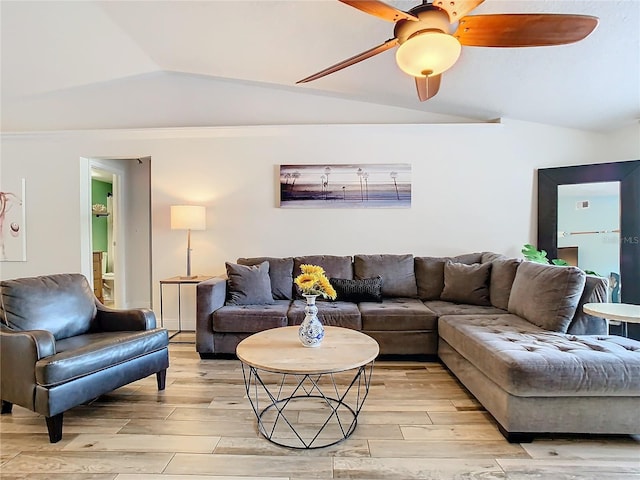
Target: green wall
<point>99,191</point>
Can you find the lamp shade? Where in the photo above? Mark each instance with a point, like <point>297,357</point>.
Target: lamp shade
<point>428,53</point>
<point>188,217</point>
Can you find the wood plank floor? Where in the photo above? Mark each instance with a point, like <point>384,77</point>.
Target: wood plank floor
<point>418,423</point>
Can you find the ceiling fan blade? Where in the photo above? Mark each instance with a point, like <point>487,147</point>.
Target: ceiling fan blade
<point>380,10</point>
<point>523,29</point>
<point>427,86</point>
<point>350,61</point>
<point>457,8</point>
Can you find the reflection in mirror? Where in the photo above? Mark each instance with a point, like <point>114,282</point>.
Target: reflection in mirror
<point>627,175</point>
<point>589,230</point>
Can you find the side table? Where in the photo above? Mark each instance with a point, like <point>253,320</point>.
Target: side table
<point>179,281</point>
<point>622,312</point>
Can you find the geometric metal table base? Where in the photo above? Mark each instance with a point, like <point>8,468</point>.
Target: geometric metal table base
<point>280,399</point>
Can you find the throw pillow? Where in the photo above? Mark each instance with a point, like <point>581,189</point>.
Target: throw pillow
<point>249,285</point>
<point>364,290</point>
<point>398,277</point>
<point>547,295</point>
<point>466,283</point>
<point>280,273</point>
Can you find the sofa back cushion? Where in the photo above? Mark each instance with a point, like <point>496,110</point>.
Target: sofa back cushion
<point>503,273</point>
<point>466,283</point>
<point>280,273</point>
<point>335,266</point>
<point>398,277</point>
<point>248,285</point>
<point>62,304</point>
<point>429,273</point>
<point>596,290</point>
<point>546,295</point>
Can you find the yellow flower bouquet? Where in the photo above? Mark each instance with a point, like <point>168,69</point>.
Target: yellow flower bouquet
<point>313,281</point>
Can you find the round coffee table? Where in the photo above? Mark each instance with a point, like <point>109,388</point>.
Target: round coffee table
<point>307,397</point>
<point>622,312</point>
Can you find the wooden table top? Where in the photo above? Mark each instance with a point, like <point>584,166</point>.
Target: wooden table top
<point>194,279</point>
<point>279,350</point>
<point>623,312</point>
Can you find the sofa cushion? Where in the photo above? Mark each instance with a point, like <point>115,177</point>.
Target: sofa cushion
<point>332,314</point>
<point>364,290</point>
<point>250,318</point>
<point>546,295</point>
<point>528,361</point>
<point>441,308</point>
<point>466,283</point>
<point>280,274</point>
<point>397,272</point>
<point>334,266</point>
<point>503,273</point>
<point>397,314</point>
<point>86,354</point>
<point>249,285</point>
<point>429,273</point>
<point>468,258</point>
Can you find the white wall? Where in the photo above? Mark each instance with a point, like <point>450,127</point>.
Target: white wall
<point>473,189</point>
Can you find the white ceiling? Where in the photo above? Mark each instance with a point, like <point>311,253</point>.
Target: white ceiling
<point>73,65</point>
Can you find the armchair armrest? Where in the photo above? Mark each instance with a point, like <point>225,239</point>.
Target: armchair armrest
<point>19,352</point>
<point>210,296</point>
<point>114,320</point>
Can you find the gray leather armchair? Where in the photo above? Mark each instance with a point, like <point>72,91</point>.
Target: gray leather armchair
<point>60,347</point>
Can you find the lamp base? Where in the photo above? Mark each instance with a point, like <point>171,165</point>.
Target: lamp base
<point>188,277</point>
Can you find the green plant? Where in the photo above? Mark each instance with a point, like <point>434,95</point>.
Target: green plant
<point>532,254</point>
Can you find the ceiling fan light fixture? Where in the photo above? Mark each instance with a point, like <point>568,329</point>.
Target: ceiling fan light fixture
<point>427,53</point>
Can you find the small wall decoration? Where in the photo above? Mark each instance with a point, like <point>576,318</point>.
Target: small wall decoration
<point>13,244</point>
<point>345,186</point>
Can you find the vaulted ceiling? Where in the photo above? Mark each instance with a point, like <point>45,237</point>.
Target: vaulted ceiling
<point>120,64</point>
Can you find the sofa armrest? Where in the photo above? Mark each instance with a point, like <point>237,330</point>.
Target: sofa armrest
<point>135,319</point>
<point>210,296</point>
<point>19,352</point>
<point>596,290</point>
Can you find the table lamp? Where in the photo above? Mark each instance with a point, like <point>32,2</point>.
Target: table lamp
<point>188,217</point>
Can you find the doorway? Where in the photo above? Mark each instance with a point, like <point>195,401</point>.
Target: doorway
<point>104,227</point>
<point>116,230</point>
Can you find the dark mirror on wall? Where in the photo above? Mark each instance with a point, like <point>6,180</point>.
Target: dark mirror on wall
<point>627,176</point>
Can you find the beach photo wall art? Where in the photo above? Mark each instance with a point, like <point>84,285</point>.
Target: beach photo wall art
<point>346,186</point>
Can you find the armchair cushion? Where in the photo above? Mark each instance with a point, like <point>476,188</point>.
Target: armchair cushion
<point>62,304</point>
<point>83,355</point>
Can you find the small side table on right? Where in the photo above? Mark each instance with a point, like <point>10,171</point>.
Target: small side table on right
<point>622,312</point>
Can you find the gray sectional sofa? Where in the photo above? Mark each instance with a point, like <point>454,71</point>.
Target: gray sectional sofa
<point>513,332</point>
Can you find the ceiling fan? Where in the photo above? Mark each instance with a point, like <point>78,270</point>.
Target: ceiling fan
<point>430,36</point>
